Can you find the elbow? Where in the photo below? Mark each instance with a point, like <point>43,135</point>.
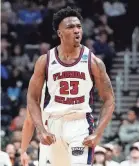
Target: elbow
<point>111,101</point>
<point>31,101</point>
<point>112,106</point>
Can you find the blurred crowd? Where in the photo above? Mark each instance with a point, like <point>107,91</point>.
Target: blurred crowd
<point>26,33</point>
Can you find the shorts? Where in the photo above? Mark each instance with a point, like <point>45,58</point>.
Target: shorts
<point>43,150</point>
<point>68,149</point>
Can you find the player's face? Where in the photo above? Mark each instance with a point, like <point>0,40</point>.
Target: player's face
<point>70,31</point>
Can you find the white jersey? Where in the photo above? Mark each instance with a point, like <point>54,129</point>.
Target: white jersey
<point>69,85</point>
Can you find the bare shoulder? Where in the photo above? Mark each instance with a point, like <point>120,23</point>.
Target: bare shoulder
<point>97,65</point>
<point>40,63</point>
<point>37,80</point>
<point>41,60</point>
<point>102,80</point>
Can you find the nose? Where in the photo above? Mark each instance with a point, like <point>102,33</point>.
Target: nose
<point>76,30</point>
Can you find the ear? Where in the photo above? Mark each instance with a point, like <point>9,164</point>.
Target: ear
<point>58,33</point>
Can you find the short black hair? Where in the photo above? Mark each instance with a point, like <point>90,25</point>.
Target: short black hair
<point>63,13</point>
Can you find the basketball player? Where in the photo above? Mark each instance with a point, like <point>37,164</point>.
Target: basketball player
<point>71,72</point>
<point>27,133</point>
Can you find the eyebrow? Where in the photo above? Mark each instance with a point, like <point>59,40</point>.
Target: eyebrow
<point>73,24</point>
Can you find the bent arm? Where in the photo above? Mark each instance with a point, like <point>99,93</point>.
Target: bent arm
<point>35,91</point>
<point>27,132</point>
<point>103,84</point>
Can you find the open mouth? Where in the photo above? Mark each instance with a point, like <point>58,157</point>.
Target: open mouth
<point>77,37</point>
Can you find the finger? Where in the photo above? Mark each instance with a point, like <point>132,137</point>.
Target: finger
<point>86,138</point>
<point>51,139</point>
<point>26,162</point>
<point>45,142</point>
<point>88,143</point>
<point>91,137</point>
<point>23,162</point>
<point>54,138</point>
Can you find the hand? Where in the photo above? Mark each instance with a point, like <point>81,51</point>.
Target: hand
<point>24,159</point>
<point>91,141</point>
<point>46,138</point>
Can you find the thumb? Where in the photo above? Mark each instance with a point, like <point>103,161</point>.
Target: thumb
<point>86,138</point>
<point>54,138</point>
<point>84,141</point>
<point>26,162</point>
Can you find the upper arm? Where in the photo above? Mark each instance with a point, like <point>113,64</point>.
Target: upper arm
<point>37,80</point>
<point>102,80</point>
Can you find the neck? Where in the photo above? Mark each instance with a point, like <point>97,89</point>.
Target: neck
<point>132,121</point>
<point>68,51</point>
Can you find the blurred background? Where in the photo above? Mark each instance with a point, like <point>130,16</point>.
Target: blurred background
<point>111,31</point>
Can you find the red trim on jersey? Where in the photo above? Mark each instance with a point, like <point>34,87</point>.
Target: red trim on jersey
<point>89,66</point>
<point>72,64</point>
<point>47,64</point>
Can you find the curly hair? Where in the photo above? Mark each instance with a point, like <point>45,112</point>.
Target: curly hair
<point>63,13</point>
